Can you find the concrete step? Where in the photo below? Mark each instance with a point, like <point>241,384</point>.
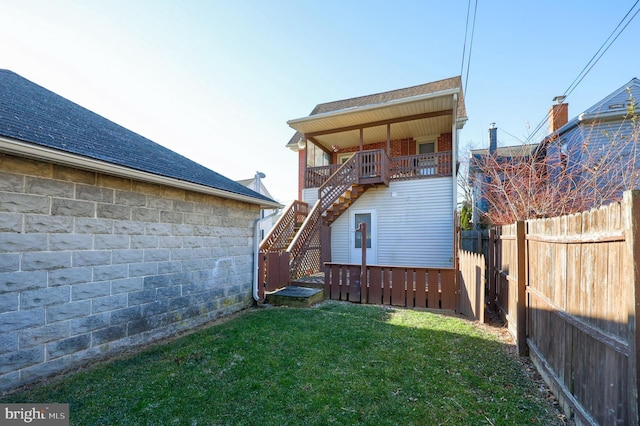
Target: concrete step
<point>313,281</point>
<point>295,296</point>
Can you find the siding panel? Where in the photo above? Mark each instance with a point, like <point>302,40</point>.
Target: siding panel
<point>414,220</point>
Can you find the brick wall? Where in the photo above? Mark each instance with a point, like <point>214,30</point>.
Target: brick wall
<point>444,142</point>
<point>92,264</point>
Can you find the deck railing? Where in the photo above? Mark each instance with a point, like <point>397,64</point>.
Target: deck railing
<point>373,163</point>
<point>422,166</point>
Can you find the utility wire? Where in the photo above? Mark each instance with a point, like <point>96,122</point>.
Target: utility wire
<point>592,62</point>
<point>473,28</point>
<point>464,47</point>
<point>466,31</point>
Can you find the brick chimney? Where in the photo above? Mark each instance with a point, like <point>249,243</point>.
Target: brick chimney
<point>558,114</point>
<point>493,138</point>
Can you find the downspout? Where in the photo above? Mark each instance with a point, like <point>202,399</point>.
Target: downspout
<point>256,251</point>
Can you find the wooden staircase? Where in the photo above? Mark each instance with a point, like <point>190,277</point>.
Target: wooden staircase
<point>298,236</point>
<point>343,203</point>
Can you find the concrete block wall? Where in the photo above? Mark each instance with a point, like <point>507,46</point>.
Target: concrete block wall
<point>92,264</point>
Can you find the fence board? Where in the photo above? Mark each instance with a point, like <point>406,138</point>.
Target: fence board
<point>471,284</point>
<point>581,278</point>
<point>421,289</point>
<point>375,285</point>
<point>449,291</point>
<point>433,294</point>
<point>398,296</point>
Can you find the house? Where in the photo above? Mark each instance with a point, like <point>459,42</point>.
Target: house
<point>388,160</point>
<point>599,143</point>
<point>269,216</point>
<point>479,178</point>
<point>108,241</point>
<point>582,163</point>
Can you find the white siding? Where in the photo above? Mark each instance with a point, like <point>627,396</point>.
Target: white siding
<point>310,196</point>
<point>414,223</point>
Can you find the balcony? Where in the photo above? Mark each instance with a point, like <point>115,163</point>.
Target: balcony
<point>376,167</point>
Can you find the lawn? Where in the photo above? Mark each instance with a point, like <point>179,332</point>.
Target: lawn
<point>337,363</point>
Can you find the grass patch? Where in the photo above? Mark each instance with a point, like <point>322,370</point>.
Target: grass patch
<point>335,364</point>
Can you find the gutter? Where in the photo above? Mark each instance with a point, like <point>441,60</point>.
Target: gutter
<point>256,252</point>
<point>11,146</point>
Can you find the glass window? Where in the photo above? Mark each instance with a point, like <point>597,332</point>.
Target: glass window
<point>363,218</point>
<point>316,157</point>
<point>426,148</point>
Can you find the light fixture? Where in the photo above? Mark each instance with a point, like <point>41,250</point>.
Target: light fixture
<point>302,143</point>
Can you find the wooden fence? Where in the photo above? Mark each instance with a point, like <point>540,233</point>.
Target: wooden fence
<point>411,287</point>
<point>471,281</point>
<point>569,288</point>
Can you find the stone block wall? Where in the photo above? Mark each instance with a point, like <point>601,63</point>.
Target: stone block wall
<point>92,264</point>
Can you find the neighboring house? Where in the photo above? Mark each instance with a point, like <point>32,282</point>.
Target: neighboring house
<point>388,160</point>
<point>592,134</point>
<point>269,215</point>
<point>108,241</point>
<point>478,178</point>
<point>591,157</point>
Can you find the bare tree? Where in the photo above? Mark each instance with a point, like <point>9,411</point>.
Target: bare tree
<point>561,177</point>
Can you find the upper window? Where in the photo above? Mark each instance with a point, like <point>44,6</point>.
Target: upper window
<point>316,157</point>
<point>426,147</point>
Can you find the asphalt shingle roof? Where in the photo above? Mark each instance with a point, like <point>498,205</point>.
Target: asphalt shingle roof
<point>392,95</point>
<point>33,114</point>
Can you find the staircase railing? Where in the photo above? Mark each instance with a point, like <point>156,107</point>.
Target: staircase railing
<point>280,236</point>
<point>343,178</point>
<point>305,250</point>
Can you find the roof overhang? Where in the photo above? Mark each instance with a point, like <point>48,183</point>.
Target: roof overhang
<point>423,115</point>
<point>37,152</point>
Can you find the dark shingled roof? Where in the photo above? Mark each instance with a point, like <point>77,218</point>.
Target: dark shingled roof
<point>392,95</point>
<point>33,114</point>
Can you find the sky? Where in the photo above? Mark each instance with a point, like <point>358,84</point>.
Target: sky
<point>217,81</point>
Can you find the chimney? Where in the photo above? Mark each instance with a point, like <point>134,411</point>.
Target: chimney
<point>493,138</point>
<point>558,114</point>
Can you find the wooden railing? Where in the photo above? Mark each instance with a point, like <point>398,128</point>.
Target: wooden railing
<point>373,164</point>
<point>343,178</point>
<point>306,250</point>
<point>422,166</point>
<point>280,236</point>
<point>315,176</point>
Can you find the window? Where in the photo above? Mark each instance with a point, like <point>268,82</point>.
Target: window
<point>426,164</point>
<point>316,157</point>
<point>363,218</point>
<point>343,158</point>
<point>426,147</point>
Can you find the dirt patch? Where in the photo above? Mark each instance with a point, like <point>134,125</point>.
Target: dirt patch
<point>497,327</point>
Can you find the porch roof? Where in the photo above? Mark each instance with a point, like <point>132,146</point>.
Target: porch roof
<point>425,110</point>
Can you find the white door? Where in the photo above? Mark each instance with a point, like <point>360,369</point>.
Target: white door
<point>356,241</point>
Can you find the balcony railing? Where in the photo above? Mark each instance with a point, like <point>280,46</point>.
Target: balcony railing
<point>409,167</point>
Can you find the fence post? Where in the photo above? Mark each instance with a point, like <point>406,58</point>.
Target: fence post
<point>521,321</point>
<point>632,212</point>
<point>491,266</point>
<point>363,269</point>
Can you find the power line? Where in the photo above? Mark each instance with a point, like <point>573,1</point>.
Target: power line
<point>464,47</point>
<point>592,62</point>
<point>466,31</point>
<point>473,28</point>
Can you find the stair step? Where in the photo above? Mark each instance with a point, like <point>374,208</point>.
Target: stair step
<point>296,297</point>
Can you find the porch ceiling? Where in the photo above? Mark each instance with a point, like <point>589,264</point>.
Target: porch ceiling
<point>424,115</point>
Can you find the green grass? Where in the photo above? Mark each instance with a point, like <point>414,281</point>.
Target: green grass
<point>338,363</point>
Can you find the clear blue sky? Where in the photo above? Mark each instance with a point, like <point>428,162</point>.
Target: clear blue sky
<point>217,80</point>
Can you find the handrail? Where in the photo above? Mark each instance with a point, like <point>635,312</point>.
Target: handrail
<point>302,243</point>
<point>284,229</point>
<point>341,180</point>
